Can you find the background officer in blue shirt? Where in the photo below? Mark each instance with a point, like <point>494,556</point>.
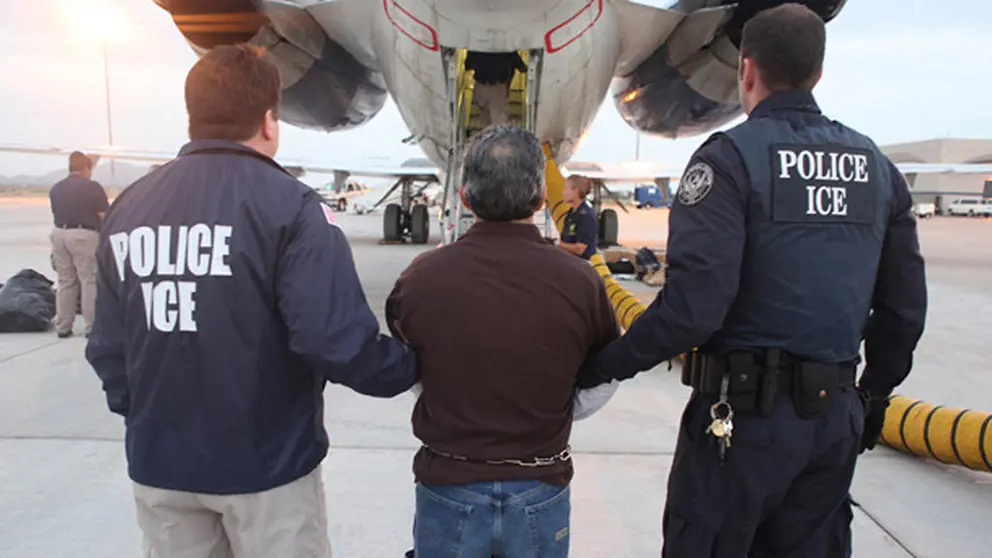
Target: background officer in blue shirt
<point>580,233</point>
<point>78,206</point>
<point>228,298</point>
<point>791,239</point>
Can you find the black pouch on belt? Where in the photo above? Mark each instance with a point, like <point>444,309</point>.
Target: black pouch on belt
<point>812,387</point>
<point>744,376</point>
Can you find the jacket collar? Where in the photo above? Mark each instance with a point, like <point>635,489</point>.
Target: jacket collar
<point>227,146</point>
<point>790,100</point>
<point>195,146</point>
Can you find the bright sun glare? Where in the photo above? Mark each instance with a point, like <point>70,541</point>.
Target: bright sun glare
<point>94,20</point>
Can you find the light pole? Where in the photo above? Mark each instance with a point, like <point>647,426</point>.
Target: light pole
<point>110,122</point>
<point>637,147</point>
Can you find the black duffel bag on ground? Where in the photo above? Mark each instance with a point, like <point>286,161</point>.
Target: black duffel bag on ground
<point>27,303</point>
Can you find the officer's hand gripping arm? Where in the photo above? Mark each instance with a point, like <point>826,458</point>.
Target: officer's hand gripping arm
<point>899,306</point>
<point>705,250</point>
<point>394,315</point>
<point>329,319</point>
<point>606,331</point>
<point>105,348</point>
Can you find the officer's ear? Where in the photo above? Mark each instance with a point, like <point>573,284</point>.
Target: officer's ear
<point>461,194</point>
<point>816,80</point>
<point>748,75</point>
<point>270,126</point>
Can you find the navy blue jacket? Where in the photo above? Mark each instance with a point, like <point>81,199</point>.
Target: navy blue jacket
<point>226,299</point>
<point>581,228</point>
<point>719,230</point>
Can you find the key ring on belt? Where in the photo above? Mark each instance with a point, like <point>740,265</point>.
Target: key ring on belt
<point>562,456</point>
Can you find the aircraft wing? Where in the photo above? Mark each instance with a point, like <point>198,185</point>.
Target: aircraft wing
<point>638,172</point>
<point>395,172</point>
<point>93,153</point>
<point>618,173</point>
<point>940,168</point>
<point>297,168</point>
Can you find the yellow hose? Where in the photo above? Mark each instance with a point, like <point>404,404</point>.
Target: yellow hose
<point>953,436</point>
<point>948,435</point>
<point>627,307</point>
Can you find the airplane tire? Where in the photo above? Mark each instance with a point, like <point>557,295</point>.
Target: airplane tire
<point>391,223</point>
<point>420,228</point>
<point>609,228</point>
<point>342,204</point>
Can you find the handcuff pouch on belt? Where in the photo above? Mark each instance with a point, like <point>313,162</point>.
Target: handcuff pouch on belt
<point>813,385</point>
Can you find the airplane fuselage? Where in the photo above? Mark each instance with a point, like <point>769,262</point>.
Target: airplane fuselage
<point>580,38</point>
<point>672,71</point>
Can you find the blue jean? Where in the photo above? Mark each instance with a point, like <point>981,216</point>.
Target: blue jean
<point>506,519</point>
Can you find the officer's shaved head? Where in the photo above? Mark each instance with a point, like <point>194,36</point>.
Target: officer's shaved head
<point>787,44</point>
<point>503,174</point>
<point>229,91</point>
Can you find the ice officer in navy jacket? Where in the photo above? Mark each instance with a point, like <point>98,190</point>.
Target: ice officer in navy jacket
<point>580,232</point>
<point>227,299</point>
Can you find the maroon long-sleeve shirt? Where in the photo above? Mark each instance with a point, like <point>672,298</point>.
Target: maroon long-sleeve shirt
<point>501,323</point>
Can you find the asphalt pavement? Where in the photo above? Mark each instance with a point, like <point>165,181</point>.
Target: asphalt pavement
<point>64,489</point>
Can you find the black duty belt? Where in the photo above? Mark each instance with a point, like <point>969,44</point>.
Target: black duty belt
<point>560,457</point>
<point>705,372</point>
<point>757,377</point>
<point>83,227</point>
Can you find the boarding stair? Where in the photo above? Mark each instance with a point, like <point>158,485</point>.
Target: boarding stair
<point>464,113</point>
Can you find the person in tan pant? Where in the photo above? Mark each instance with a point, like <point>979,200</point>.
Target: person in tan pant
<point>78,205</point>
<point>493,73</point>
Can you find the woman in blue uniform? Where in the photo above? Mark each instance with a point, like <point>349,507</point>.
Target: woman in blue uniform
<point>581,231</point>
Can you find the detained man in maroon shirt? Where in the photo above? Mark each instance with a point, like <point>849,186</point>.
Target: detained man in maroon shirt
<point>501,323</point>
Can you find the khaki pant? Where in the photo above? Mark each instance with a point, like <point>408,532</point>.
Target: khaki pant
<point>289,521</point>
<point>74,258</point>
<point>494,103</point>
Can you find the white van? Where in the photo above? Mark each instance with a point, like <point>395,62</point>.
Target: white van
<point>971,207</point>
<point>924,210</point>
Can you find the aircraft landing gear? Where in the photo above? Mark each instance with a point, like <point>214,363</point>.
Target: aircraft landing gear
<point>404,219</point>
<point>420,224</point>
<point>392,223</point>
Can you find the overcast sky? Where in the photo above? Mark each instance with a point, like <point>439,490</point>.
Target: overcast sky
<point>898,70</point>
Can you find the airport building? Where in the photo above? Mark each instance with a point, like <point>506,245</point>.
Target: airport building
<point>943,189</point>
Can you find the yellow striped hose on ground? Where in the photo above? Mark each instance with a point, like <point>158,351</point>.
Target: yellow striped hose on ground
<point>953,436</point>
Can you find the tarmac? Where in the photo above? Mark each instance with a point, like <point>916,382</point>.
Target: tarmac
<point>64,489</point>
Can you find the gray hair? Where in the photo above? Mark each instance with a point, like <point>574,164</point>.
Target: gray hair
<point>503,174</point>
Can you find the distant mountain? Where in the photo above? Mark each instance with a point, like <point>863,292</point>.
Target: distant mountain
<point>125,174</point>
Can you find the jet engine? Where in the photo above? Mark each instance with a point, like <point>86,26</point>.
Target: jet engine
<point>688,86</point>
<point>324,86</point>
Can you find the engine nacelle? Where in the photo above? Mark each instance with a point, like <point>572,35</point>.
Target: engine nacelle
<point>324,86</point>
<point>688,86</point>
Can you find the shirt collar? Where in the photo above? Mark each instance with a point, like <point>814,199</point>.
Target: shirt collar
<point>580,207</point>
<point>792,99</point>
<point>496,229</point>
